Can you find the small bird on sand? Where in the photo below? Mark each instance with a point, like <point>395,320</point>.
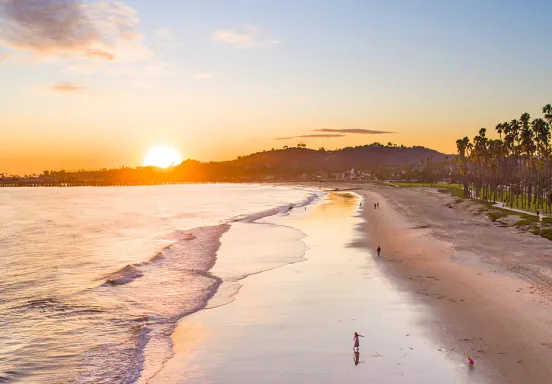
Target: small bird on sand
<point>470,362</point>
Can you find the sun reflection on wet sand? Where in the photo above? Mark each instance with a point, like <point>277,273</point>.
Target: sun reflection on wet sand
<point>295,323</point>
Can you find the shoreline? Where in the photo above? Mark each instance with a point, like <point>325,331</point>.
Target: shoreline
<point>474,292</point>
<point>488,287</point>
<point>295,323</point>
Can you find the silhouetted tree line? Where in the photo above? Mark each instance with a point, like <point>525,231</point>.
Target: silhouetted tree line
<point>515,168</point>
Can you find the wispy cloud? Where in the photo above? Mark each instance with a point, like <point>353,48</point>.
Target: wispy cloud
<point>203,75</point>
<point>71,28</point>
<point>246,37</point>
<point>163,33</point>
<point>65,87</point>
<point>360,131</point>
<point>98,54</point>
<point>329,133</point>
<point>322,135</point>
<point>309,136</point>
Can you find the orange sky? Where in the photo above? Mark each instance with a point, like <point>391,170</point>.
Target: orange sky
<point>217,81</point>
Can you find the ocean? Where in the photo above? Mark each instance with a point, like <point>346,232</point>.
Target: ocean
<point>94,280</point>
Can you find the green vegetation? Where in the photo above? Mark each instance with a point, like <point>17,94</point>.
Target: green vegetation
<point>517,204</point>
<point>523,223</point>
<point>546,233</point>
<point>495,215</point>
<point>527,222</point>
<point>452,189</point>
<point>406,184</point>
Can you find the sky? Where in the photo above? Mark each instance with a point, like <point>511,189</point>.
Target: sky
<point>96,84</point>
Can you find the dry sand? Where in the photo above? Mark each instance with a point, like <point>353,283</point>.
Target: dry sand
<point>488,286</point>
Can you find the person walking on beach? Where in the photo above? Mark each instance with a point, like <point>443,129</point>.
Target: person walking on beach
<point>378,205</point>
<point>374,205</point>
<point>379,250</point>
<point>356,342</point>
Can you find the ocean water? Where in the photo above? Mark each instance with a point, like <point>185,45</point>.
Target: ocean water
<point>94,280</point>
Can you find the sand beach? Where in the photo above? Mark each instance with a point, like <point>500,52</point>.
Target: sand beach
<point>488,286</point>
<point>449,284</point>
<point>295,323</point>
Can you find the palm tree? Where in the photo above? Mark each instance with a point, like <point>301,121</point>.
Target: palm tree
<point>547,110</point>
<point>501,161</point>
<point>526,151</point>
<point>462,146</point>
<point>519,159</point>
<point>541,134</point>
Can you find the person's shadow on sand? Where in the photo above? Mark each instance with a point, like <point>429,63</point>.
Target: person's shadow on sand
<point>356,358</point>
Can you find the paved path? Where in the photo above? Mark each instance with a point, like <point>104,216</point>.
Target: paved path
<point>499,205</point>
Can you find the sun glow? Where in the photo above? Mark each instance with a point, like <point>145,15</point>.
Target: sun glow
<point>162,156</point>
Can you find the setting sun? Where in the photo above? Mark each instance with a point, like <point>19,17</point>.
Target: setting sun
<point>162,156</point>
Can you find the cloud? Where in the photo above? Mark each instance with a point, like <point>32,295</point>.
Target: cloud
<point>163,33</point>
<point>309,136</point>
<point>203,75</point>
<point>65,87</point>
<point>71,28</point>
<point>361,131</point>
<point>322,135</point>
<point>96,53</point>
<point>246,37</point>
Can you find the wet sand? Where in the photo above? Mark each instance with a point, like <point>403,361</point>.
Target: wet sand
<point>295,323</point>
<point>488,287</point>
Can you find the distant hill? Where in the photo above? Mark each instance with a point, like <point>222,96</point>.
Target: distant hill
<point>364,158</point>
<point>300,163</point>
